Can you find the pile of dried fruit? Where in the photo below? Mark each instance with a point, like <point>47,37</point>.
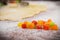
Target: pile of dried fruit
<point>40,24</point>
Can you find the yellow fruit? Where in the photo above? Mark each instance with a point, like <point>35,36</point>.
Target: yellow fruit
<point>41,22</point>
<point>28,24</point>
<point>20,24</point>
<point>31,26</point>
<point>48,23</point>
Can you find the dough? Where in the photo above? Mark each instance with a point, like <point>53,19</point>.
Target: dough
<point>16,13</point>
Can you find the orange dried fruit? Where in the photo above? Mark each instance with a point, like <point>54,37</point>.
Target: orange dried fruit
<point>31,26</point>
<point>25,22</point>
<point>55,27</point>
<point>49,20</point>
<point>46,27</point>
<point>41,22</point>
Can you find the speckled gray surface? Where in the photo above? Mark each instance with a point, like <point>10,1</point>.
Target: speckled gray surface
<point>10,31</point>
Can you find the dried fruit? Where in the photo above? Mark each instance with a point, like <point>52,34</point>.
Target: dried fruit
<point>38,26</point>
<point>31,26</point>
<point>46,27</point>
<point>41,22</point>
<point>19,24</point>
<point>54,27</point>
<point>24,26</point>
<point>52,23</point>
<point>49,20</point>
<point>35,22</point>
<point>25,22</point>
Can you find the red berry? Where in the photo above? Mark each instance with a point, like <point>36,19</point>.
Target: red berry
<point>23,25</point>
<point>35,22</point>
<point>46,27</point>
<point>38,26</point>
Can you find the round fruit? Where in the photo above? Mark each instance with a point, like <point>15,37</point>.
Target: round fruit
<point>52,23</point>
<point>41,22</point>
<point>19,24</point>
<point>49,20</point>
<point>38,26</point>
<point>25,22</point>
<point>35,22</point>
<point>54,27</point>
<point>31,26</point>
<point>46,27</point>
<point>24,26</point>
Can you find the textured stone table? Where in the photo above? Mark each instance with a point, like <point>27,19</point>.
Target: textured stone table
<point>10,31</point>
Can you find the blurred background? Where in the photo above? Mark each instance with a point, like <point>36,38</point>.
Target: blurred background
<point>5,1</point>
